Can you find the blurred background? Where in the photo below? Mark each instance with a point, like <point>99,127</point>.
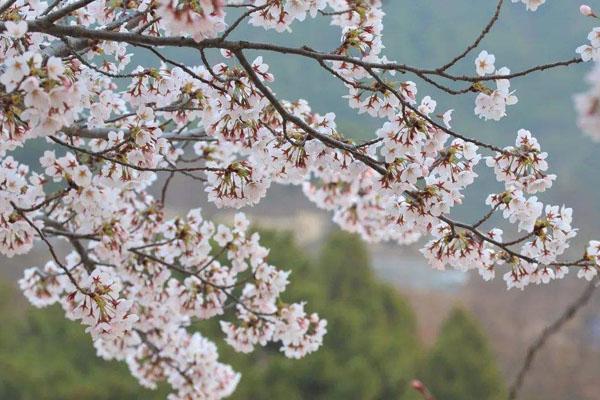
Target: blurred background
<point>391,317</point>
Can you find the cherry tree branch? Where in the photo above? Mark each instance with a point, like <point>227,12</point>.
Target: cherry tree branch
<point>139,39</point>
<point>477,41</point>
<point>550,330</point>
<point>50,249</point>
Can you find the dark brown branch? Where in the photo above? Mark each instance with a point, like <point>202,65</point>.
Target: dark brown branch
<point>132,166</point>
<point>242,17</point>
<point>102,133</point>
<point>535,347</point>
<point>138,39</point>
<point>477,41</point>
<point>63,12</point>
<point>51,7</point>
<point>486,216</point>
<point>7,5</point>
<point>165,188</point>
<point>50,249</point>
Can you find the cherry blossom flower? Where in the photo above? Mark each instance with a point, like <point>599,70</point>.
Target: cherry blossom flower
<point>16,30</point>
<point>484,63</point>
<point>586,10</point>
<point>531,5</point>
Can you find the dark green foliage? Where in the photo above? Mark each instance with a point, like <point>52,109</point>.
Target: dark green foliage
<point>461,366</point>
<point>45,357</point>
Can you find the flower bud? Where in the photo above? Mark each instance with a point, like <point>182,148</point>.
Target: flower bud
<point>417,385</point>
<point>586,10</point>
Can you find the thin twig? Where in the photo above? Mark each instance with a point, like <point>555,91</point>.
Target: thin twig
<point>474,45</point>
<point>535,347</point>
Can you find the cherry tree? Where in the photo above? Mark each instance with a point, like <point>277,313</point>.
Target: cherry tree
<point>137,280</point>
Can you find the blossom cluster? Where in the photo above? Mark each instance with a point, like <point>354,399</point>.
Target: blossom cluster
<point>587,106</point>
<point>530,5</point>
<point>491,104</point>
<point>591,51</point>
<point>203,18</point>
<point>17,188</point>
<point>523,166</point>
<point>138,302</point>
<point>114,133</point>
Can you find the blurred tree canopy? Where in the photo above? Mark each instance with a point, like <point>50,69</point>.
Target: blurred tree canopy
<point>461,365</point>
<point>372,350</point>
<point>44,356</point>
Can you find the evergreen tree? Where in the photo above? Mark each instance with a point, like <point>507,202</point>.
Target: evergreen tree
<point>461,365</point>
